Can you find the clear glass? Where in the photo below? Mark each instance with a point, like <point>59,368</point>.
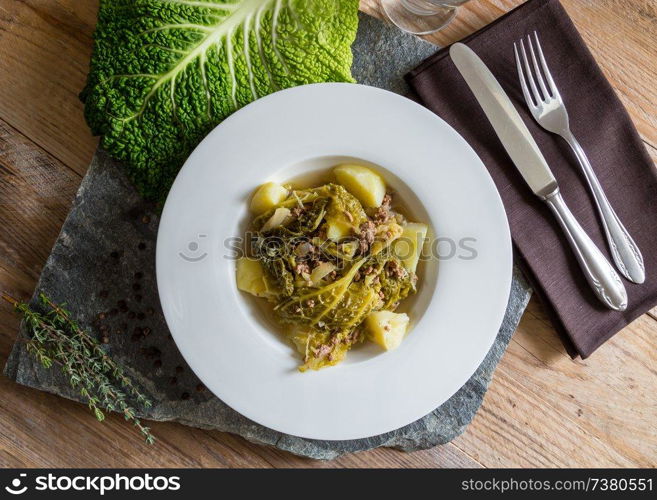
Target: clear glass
<point>421,17</point>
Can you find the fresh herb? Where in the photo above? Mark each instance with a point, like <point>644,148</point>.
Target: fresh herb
<point>54,338</point>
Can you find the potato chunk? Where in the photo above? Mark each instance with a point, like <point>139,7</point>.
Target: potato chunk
<point>409,246</point>
<point>387,328</point>
<point>251,277</point>
<point>363,183</point>
<point>337,230</point>
<point>267,197</point>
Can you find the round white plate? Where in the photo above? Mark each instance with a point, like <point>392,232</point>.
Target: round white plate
<point>462,296</point>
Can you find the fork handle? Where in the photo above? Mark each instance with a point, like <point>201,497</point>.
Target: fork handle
<point>600,274</point>
<point>624,250</point>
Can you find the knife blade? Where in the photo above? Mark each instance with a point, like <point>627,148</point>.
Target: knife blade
<point>530,162</point>
<point>507,123</point>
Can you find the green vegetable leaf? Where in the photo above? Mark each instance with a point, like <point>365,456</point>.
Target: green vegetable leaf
<point>165,72</point>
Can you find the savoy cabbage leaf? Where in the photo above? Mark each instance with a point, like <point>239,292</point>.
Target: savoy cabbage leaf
<point>165,72</point>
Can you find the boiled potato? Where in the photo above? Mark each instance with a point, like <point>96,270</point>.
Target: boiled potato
<point>267,197</point>
<point>409,246</point>
<point>251,277</point>
<point>363,183</point>
<point>337,230</point>
<point>387,328</point>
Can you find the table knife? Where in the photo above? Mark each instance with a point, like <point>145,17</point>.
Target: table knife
<point>528,159</point>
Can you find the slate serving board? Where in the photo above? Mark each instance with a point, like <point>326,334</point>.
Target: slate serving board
<point>103,267</point>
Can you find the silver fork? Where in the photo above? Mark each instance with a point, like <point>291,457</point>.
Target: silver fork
<point>549,111</point>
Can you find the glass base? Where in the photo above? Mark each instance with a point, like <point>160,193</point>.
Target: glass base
<point>414,18</point>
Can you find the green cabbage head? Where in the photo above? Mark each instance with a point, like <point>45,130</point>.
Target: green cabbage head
<point>165,72</point>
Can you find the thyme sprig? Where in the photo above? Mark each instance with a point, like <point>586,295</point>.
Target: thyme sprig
<point>55,338</point>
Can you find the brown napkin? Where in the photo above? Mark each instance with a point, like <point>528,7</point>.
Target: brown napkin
<point>607,134</point>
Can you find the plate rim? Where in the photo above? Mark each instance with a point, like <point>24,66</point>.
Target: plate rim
<point>506,237</point>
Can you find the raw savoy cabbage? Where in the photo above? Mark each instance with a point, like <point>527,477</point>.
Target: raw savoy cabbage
<point>165,72</point>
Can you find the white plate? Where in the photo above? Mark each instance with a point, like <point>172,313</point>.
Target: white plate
<point>456,314</point>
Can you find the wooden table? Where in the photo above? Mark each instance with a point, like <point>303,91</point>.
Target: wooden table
<point>543,409</point>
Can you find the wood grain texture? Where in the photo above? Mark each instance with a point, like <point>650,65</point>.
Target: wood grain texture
<point>543,409</point>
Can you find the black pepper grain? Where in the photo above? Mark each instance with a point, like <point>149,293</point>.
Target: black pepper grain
<point>151,352</point>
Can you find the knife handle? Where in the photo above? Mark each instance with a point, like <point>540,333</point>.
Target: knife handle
<point>600,274</point>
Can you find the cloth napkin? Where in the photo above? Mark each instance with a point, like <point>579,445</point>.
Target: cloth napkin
<point>602,125</point>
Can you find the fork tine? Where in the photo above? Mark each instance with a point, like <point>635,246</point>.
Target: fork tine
<point>523,81</point>
<point>539,77</point>
<point>553,87</point>
<point>528,69</point>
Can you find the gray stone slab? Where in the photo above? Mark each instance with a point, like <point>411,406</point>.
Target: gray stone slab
<point>103,262</point>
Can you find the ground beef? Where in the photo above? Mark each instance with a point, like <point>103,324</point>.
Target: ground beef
<point>395,270</point>
<point>383,213</point>
<point>366,236</point>
<point>353,337</point>
<point>302,268</point>
<point>323,351</point>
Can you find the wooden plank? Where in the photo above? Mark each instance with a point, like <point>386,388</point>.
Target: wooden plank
<point>36,194</point>
<point>43,66</point>
<point>605,402</point>
<point>43,430</point>
<point>621,36</point>
<point>515,428</point>
<point>609,394</point>
<point>544,409</point>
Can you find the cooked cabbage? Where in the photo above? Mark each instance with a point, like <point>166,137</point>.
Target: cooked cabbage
<point>323,288</point>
